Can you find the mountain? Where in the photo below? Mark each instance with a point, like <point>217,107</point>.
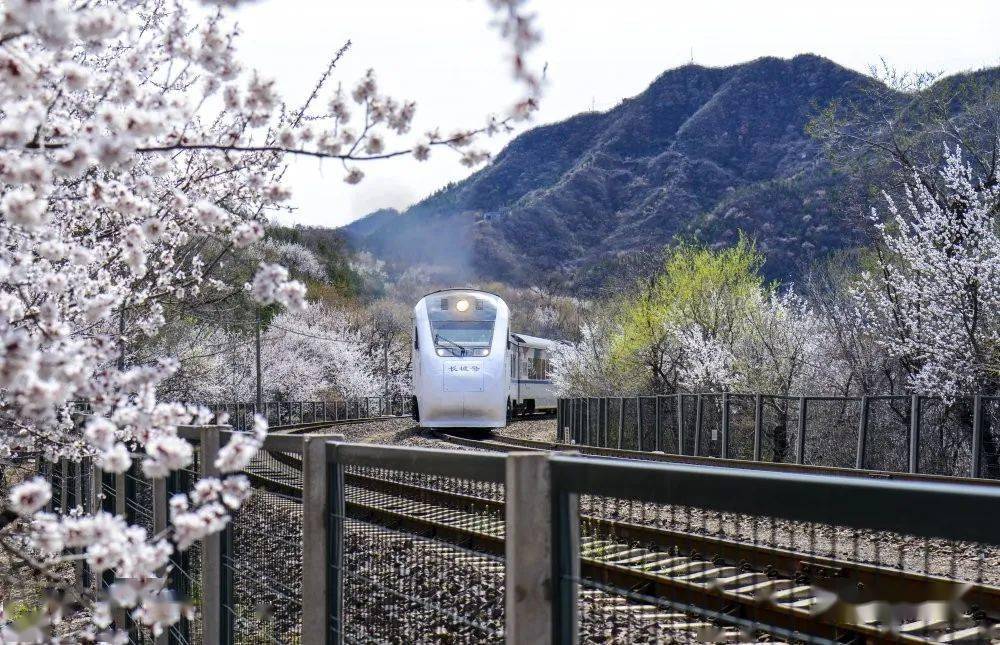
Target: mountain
<point>702,153</point>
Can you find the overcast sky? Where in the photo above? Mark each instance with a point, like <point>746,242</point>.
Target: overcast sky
<point>444,55</point>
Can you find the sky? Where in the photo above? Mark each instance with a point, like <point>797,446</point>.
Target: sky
<point>445,55</point>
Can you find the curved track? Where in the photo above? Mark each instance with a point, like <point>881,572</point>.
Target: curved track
<point>485,440</point>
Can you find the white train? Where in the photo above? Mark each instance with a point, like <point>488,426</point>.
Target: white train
<point>469,370</point>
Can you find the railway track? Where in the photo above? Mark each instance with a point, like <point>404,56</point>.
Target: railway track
<point>778,587</point>
<point>497,442</point>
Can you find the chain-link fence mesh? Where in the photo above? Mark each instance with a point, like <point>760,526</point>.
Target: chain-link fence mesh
<point>831,427</point>
<point>240,415</point>
<point>262,555</point>
<point>989,454</point>
<point>185,575</point>
<point>423,558</point>
<point>742,422</point>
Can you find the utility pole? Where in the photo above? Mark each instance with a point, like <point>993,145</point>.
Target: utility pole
<point>260,387</point>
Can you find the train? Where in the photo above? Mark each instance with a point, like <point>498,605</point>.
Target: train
<point>469,369</point>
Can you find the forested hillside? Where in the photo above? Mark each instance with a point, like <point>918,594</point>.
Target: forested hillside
<point>702,154</point>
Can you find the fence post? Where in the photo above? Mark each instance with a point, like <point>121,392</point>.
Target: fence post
<point>977,436</point>
<point>589,409</point>
<point>914,433</point>
<point>571,409</point>
<point>120,614</point>
<point>680,423</point>
<point>78,489</point>
<point>565,554</point>
<point>725,425</point>
<point>159,492</point>
<point>697,425</point>
<point>656,425</point>
<point>322,492</point>
<point>800,442</point>
<point>211,547</point>
<point>528,572</point>
<point>862,433</point>
<point>559,420</point>
<point>93,506</point>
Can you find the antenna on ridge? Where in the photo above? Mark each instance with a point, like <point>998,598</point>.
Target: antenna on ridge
<point>691,59</point>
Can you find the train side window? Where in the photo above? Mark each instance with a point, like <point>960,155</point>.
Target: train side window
<point>416,339</point>
<point>533,366</point>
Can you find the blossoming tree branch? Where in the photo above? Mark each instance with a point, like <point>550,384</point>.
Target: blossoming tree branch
<point>136,154</point>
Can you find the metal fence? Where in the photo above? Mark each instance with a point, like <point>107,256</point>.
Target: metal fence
<point>914,434</point>
<point>417,545</point>
<point>602,550</point>
<point>240,414</point>
<point>362,543</point>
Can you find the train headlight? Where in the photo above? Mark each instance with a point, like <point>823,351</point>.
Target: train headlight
<point>462,305</point>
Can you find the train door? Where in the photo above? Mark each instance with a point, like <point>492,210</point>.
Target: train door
<point>515,374</point>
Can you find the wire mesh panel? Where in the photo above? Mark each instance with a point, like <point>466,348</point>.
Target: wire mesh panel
<point>741,425</point>
<point>630,425</point>
<point>186,566</point>
<point>989,451</point>
<point>591,421</point>
<point>728,567</point>
<point>779,418</point>
<point>138,505</point>
<point>831,427</point>
<point>945,436</point>
<point>888,433</point>
<point>687,422</point>
<point>709,434</point>
<point>646,420</point>
<point>423,557</point>
<point>57,480</point>
<point>138,498</point>
<point>616,422</point>
<point>262,555</point>
<point>665,424</point>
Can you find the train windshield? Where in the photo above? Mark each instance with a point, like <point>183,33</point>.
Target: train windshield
<point>462,324</point>
<point>473,333</point>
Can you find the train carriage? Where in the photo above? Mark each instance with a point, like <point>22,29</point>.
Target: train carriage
<point>530,386</point>
<point>469,370</point>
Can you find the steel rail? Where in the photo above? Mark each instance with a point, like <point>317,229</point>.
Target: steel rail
<point>775,570</point>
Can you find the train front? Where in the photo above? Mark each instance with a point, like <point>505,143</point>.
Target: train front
<point>459,353</point>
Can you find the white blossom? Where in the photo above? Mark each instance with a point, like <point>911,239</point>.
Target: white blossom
<point>115,459</point>
<point>29,496</point>
<point>934,303</point>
